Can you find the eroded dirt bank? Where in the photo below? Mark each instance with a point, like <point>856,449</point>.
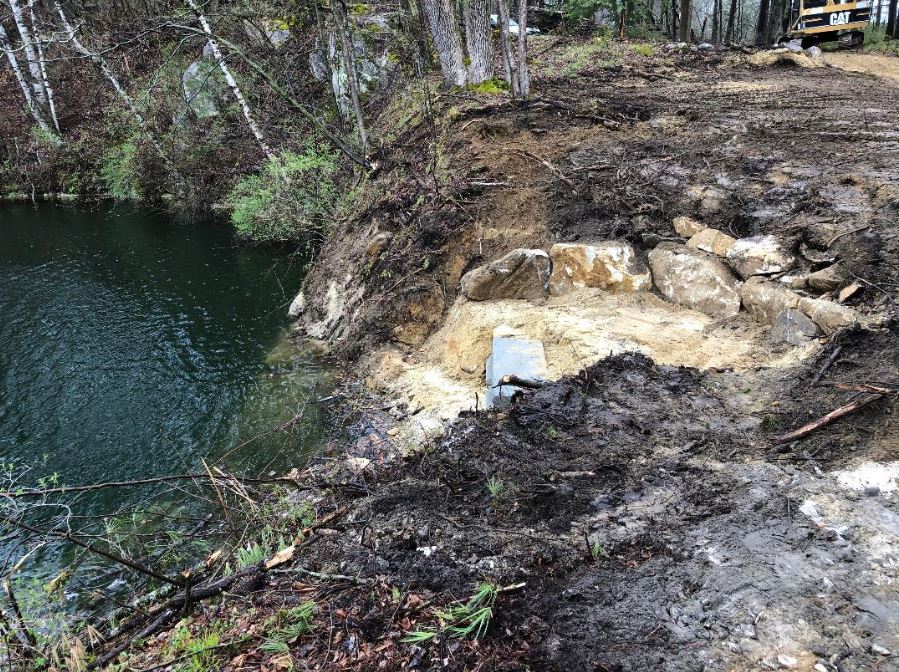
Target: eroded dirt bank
<point>655,523</point>
<point>638,512</point>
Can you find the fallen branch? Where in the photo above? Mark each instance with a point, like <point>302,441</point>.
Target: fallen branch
<point>516,381</point>
<point>200,478</point>
<point>830,360</point>
<point>825,420</point>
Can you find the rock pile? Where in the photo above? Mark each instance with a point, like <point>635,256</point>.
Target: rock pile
<point>711,272</point>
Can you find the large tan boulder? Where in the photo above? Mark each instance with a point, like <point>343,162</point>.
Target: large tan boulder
<point>695,279</point>
<point>712,240</point>
<point>759,255</point>
<point>765,300</point>
<point>828,315</point>
<point>611,265</point>
<point>521,274</point>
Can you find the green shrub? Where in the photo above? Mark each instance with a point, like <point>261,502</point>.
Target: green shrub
<point>118,171</point>
<point>643,49</point>
<point>290,197</point>
<point>876,41</point>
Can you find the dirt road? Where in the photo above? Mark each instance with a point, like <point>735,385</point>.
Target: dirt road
<point>886,67</point>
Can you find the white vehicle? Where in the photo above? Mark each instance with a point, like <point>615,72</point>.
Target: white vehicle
<point>513,26</point>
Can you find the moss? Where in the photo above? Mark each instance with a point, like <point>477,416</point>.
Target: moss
<point>643,49</point>
<point>490,86</point>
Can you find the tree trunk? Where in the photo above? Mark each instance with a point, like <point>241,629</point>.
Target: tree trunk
<point>684,27</point>
<point>891,18</point>
<point>524,79</point>
<point>761,25</point>
<point>675,20</point>
<point>479,40</point>
<point>45,80</point>
<point>445,33</point>
<point>716,31</point>
<point>348,57</point>
<point>731,15</point>
<point>232,83</point>
<point>34,65</point>
<point>505,43</point>
<point>27,92</point>
<point>101,63</point>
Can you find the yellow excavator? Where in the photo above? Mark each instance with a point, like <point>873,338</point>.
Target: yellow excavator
<point>816,21</point>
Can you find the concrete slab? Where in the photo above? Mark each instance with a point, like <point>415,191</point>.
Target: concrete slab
<point>512,355</point>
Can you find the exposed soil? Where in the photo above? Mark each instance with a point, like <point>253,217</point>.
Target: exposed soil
<point>644,505</point>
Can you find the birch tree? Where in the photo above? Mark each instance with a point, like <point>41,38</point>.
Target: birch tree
<point>103,66</point>
<point>232,83</point>
<point>27,91</point>
<point>445,33</point>
<point>42,67</point>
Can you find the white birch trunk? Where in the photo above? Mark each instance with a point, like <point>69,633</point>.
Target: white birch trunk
<point>524,79</point>
<point>232,83</point>
<point>42,62</point>
<point>34,65</point>
<point>27,91</point>
<point>445,32</point>
<point>101,63</point>
<point>479,40</point>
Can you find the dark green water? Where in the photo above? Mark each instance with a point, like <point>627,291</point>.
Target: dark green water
<point>131,346</point>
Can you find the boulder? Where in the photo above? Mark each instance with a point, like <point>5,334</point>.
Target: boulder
<point>610,265</point>
<point>378,244</point>
<point>828,315</point>
<point>297,306</point>
<point>828,279</point>
<point>793,327</point>
<point>814,52</point>
<point>765,300</point>
<point>521,274</point>
<point>695,279</point>
<point>759,255</point>
<point>203,87</point>
<point>712,240</point>
<point>687,226</point>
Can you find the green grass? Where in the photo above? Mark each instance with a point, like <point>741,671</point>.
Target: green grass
<point>471,618</point>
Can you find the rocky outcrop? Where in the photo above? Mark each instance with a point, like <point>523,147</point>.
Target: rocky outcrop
<point>765,300</point>
<point>610,265</point>
<point>793,327</point>
<point>687,226</point>
<point>203,87</point>
<point>521,274</point>
<point>712,240</point>
<point>695,279</point>
<point>759,255</point>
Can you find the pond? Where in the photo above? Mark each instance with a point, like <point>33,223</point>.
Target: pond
<point>132,346</point>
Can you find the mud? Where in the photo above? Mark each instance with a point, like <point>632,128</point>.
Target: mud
<point>653,521</point>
